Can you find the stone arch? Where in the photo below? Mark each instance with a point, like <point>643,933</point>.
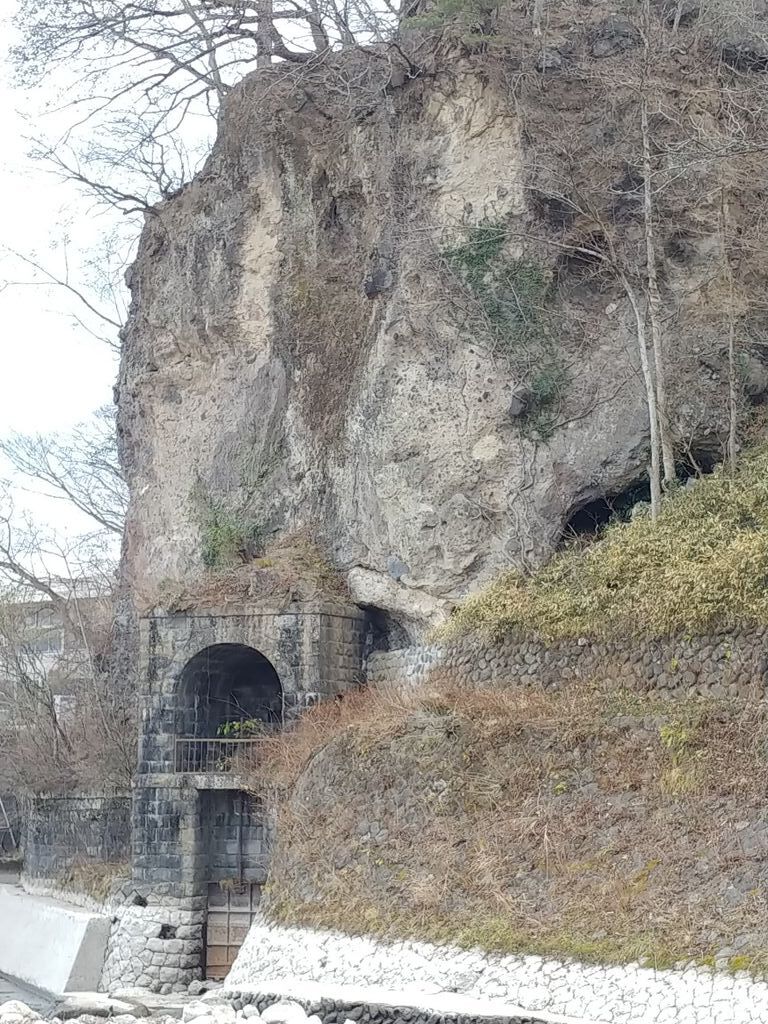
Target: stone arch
<point>227,682</point>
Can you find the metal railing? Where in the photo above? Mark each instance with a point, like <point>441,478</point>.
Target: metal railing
<point>221,756</point>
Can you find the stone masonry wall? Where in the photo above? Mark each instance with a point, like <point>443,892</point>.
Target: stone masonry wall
<point>190,830</point>
<point>157,935</point>
<point>726,664</point>
<point>274,955</point>
<point>237,833</point>
<point>316,652</point>
<point>64,831</point>
<point>156,940</point>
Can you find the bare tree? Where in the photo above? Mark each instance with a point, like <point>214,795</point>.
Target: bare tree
<point>68,716</point>
<point>81,468</point>
<point>63,720</point>
<point>148,70</point>
<point>654,303</point>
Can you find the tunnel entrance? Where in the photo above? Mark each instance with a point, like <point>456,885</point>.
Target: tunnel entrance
<point>229,689</point>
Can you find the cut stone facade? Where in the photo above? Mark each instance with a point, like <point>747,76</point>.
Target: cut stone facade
<point>76,830</point>
<point>198,830</point>
<point>202,844</point>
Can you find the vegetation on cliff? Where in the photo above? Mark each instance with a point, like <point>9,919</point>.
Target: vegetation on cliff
<point>590,823</point>
<point>702,565</point>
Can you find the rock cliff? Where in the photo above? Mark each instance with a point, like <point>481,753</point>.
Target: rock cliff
<point>392,309</point>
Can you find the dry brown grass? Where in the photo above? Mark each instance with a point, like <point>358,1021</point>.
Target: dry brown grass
<point>291,567</point>
<point>95,879</point>
<point>590,823</point>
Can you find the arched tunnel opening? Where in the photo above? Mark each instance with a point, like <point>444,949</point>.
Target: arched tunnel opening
<point>229,688</point>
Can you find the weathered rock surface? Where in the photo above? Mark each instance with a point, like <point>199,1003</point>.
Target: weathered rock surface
<point>75,1006</point>
<point>301,354</point>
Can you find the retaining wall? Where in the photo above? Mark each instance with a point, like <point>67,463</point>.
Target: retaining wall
<point>726,664</point>
<point>81,829</point>
<point>156,940</point>
<point>335,1004</point>
<point>274,955</point>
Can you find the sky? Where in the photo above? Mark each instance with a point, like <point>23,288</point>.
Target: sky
<point>53,372</point>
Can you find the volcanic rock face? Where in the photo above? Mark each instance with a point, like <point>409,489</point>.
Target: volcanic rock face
<point>377,315</point>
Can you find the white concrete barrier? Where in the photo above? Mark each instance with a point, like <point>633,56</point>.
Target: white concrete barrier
<point>51,945</point>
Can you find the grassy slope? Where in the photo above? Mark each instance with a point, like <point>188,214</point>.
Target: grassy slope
<point>702,565</point>
<point>593,824</point>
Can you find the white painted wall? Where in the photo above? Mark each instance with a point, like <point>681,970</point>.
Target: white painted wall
<point>51,945</point>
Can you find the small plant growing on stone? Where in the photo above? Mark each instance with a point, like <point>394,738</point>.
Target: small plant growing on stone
<point>229,535</point>
<point>245,728</point>
<point>512,296</point>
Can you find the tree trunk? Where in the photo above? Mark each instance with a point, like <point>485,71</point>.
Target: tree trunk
<point>678,15</point>
<point>733,383</point>
<point>538,16</point>
<point>654,297</point>
<point>654,471</point>
<point>320,39</point>
<point>264,32</point>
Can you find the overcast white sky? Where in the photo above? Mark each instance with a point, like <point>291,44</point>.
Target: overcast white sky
<point>53,373</point>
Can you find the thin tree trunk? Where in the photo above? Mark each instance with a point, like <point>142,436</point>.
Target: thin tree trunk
<point>320,39</point>
<point>733,384</point>
<point>654,296</point>
<point>213,62</point>
<point>538,16</point>
<point>264,32</point>
<point>654,471</point>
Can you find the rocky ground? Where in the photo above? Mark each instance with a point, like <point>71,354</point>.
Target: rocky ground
<point>95,1009</point>
<point>219,1008</point>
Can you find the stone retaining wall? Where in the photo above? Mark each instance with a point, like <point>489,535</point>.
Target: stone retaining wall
<point>376,1008</point>
<point>600,994</point>
<point>727,664</point>
<point>80,829</point>
<point>156,941</point>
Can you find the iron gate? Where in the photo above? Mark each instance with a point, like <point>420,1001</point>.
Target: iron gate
<point>232,907</point>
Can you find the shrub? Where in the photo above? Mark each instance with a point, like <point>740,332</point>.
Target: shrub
<point>228,537</point>
<point>702,565</point>
<point>512,296</point>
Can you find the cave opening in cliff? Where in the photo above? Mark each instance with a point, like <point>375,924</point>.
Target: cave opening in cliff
<point>588,520</point>
<point>228,690</point>
<point>383,631</point>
